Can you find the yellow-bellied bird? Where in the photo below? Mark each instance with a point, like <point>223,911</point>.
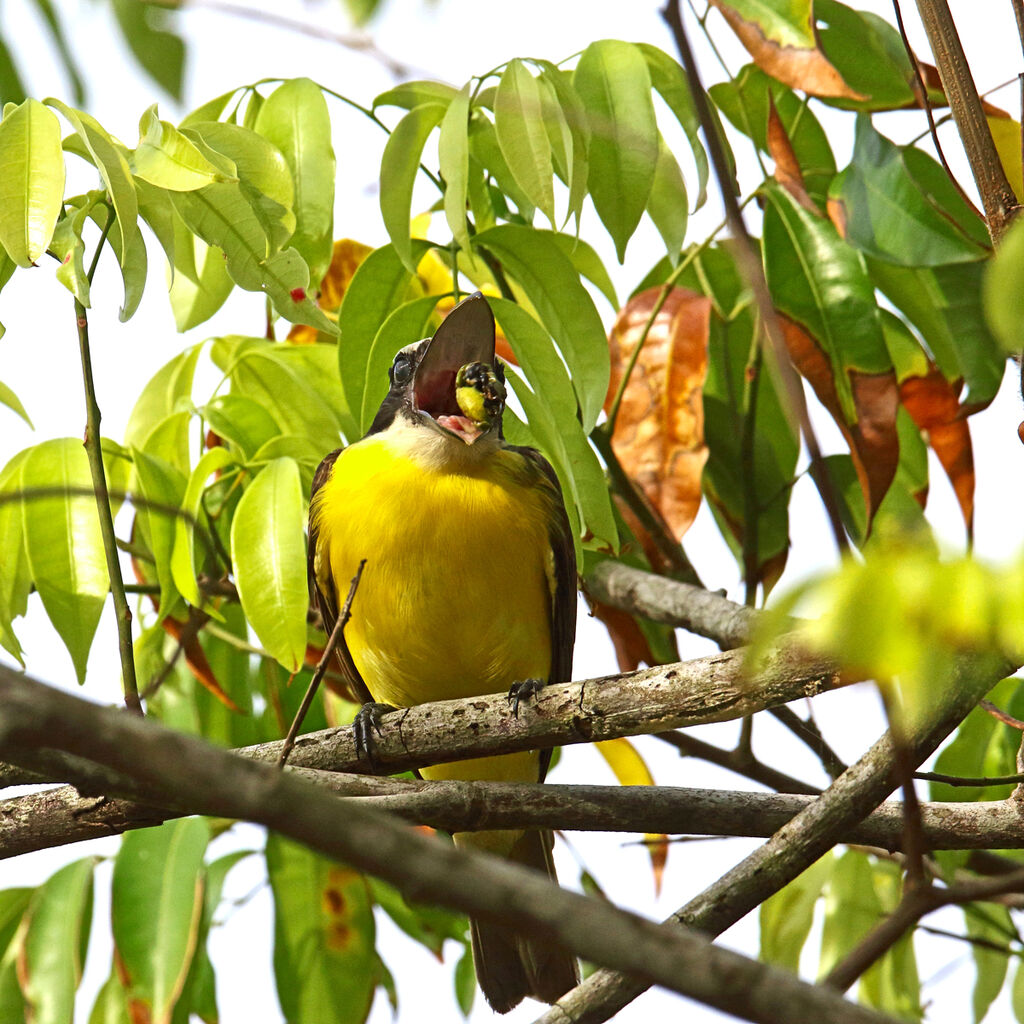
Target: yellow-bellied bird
<point>469,586</point>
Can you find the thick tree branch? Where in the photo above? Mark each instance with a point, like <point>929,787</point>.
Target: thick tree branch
<point>802,840</point>
<point>176,768</point>
<point>672,603</point>
<point>60,816</point>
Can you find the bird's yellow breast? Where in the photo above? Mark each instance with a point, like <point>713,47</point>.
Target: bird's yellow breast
<point>455,598</point>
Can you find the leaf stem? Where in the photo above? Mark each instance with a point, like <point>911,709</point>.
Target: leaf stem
<point>93,449</point>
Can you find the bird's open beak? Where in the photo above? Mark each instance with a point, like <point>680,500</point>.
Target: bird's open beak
<point>465,336</point>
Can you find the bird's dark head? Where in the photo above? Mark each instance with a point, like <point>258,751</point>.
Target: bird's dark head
<point>451,382</point>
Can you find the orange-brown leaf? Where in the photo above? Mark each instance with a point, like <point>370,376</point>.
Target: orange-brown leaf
<point>933,404</point>
<point>195,658</point>
<point>659,432</point>
<point>808,70</point>
<point>631,646</point>
<point>787,168</point>
<point>873,440</point>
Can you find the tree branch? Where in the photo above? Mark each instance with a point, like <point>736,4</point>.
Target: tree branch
<point>802,840</point>
<point>175,768</point>
<point>997,196</point>
<point>58,817</point>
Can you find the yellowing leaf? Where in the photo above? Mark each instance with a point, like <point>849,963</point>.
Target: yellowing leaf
<point>1006,135</point>
<point>659,430</point>
<point>631,770</point>
<point>780,36</point>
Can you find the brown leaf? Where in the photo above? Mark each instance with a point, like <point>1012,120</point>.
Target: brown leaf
<point>873,441</point>
<point>659,432</point>
<point>347,256</point>
<point>933,404</point>
<point>186,633</point>
<point>631,647</point>
<point>806,69</point>
<point>787,168</point>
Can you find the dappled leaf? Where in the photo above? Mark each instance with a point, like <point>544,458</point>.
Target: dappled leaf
<point>781,38</point>
<point>659,431</point>
<point>324,956</point>
<point>54,945</point>
<point>156,903</point>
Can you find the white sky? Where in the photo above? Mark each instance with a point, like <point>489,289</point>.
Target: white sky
<point>451,40</point>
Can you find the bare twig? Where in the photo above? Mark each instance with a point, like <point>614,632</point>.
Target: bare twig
<point>999,713</point>
<point>809,733</point>
<point>321,667</point>
<point>967,782</point>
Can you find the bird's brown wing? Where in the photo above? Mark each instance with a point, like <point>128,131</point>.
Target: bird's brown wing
<point>563,601</point>
<point>322,592</point>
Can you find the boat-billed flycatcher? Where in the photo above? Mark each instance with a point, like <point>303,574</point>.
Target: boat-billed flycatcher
<point>469,585</point>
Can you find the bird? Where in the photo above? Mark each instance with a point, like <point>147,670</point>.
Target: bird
<point>468,588</point>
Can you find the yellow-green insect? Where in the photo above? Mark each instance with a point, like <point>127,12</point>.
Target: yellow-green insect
<point>479,392</point>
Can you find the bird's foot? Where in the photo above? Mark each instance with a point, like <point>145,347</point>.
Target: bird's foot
<point>365,724</point>
<point>522,690</point>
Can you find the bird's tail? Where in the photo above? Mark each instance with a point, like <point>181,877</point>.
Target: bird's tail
<point>510,966</point>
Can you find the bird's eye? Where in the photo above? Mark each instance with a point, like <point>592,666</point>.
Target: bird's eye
<point>401,369</point>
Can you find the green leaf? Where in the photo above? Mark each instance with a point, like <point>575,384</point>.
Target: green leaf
<point>453,156</point>
<point>201,282</point>
<point>787,915</point>
<point>613,81</point>
<point>944,304</point>
<point>587,263</point>
<point>669,80</point>
<point>465,982</point>
<point>68,246</point>
<point>429,926</point>
<point>15,574</point>
<point>788,23</point>
<point>295,119</point>
<point>563,304</point>
<point>110,1007</point>
<point>12,89</point>
<point>183,559</point>
<point>168,159</point>
<point>1017,993</point>
<point>818,280</point>
<point>404,325</point>
<point>483,146</point>
<point>55,943</point>
<point>31,181</point>
<point>1004,291</point>
<point>268,553</point>
<point>398,168</point>
<point>297,384</point>
<point>48,14</point>
<point>667,202</point>
<point>64,545</point>
<point>988,923</point>
<point>536,354</point>
<point>408,95</point>
<point>208,111</point>
<point>746,102</point>
<point>156,903</point>
<point>240,421</point>
<point>162,484</point>
<point>564,113</point>
<point>161,53</point>
<point>523,136</point>
<point>898,205</point>
<point>380,285</point>
<point>169,390</point>
<point>324,957</point>
<point>11,400</point>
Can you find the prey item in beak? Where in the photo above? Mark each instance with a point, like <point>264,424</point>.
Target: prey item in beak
<point>466,336</point>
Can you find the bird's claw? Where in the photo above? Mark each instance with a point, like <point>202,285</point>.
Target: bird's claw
<point>522,690</point>
<point>365,724</point>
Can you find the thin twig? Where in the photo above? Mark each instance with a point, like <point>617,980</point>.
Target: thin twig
<point>94,451</point>
<point>968,782</point>
<point>1006,719</point>
<point>321,667</point>
<point>808,732</point>
<point>749,265</point>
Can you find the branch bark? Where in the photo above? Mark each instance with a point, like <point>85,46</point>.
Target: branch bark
<point>57,817</point>
<point>176,768</point>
